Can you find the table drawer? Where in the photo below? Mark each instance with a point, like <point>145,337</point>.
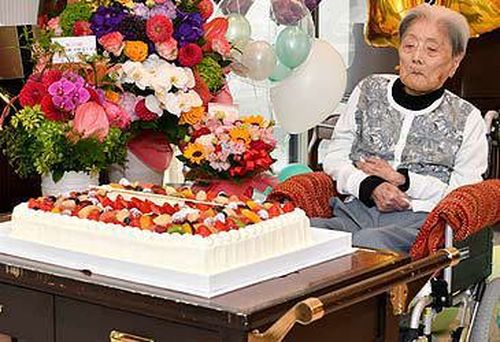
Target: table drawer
<point>78,321</point>
<point>26,315</point>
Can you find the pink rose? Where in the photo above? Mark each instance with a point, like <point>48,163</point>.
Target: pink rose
<point>113,42</point>
<point>160,2</point>
<point>221,46</point>
<point>117,116</point>
<point>167,49</point>
<point>55,25</point>
<point>128,101</point>
<point>91,120</point>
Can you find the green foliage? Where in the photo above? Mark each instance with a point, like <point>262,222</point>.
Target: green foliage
<point>188,6</point>
<point>35,145</point>
<point>212,73</point>
<point>167,124</point>
<point>73,13</point>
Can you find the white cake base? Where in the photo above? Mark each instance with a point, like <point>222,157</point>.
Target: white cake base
<point>327,245</point>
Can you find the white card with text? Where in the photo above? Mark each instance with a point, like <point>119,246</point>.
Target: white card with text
<point>74,48</point>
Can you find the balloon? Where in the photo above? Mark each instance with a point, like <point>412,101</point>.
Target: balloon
<point>288,12</point>
<point>385,15</point>
<point>292,46</point>
<point>280,72</point>
<point>259,58</point>
<point>239,30</point>
<point>293,170</point>
<point>235,6</point>
<point>312,92</point>
<point>482,16</point>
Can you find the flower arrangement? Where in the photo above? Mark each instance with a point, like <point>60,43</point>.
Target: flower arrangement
<point>170,60</point>
<point>66,123</point>
<point>220,145</point>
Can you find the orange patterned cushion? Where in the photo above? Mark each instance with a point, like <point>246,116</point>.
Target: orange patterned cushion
<point>467,210</point>
<point>310,191</point>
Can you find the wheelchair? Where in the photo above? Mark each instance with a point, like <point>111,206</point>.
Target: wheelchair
<point>464,286</point>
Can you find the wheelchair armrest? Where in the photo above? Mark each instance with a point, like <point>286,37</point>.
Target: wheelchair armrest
<point>466,210</point>
<point>310,191</point>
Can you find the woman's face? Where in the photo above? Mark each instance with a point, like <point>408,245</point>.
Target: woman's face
<point>425,57</point>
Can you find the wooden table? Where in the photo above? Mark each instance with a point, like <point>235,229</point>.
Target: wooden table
<point>39,306</point>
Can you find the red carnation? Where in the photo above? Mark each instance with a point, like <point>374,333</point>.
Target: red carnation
<point>200,132</point>
<point>206,8</point>
<point>82,28</point>
<point>260,145</point>
<point>143,112</point>
<point>32,93</point>
<point>159,28</point>
<point>51,112</point>
<point>51,76</point>
<point>190,55</point>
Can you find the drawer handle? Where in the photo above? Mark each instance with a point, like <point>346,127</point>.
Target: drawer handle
<point>118,336</point>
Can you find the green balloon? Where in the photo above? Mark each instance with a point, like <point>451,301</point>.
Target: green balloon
<point>280,72</point>
<point>293,46</point>
<point>238,30</point>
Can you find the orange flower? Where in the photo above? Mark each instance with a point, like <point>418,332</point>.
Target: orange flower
<point>240,134</point>
<point>254,120</point>
<point>193,116</point>
<point>136,50</point>
<point>112,96</point>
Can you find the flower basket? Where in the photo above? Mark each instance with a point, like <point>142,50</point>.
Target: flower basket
<point>70,181</point>
<point>135,170</point>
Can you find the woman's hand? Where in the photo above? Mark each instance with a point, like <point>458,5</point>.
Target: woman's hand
<point>388,197</point>
<point>379,167</point>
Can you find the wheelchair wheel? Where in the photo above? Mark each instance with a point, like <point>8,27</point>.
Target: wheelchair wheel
<point>485,324</point>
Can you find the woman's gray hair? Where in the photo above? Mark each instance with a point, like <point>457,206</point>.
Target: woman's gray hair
<point>455,24</point>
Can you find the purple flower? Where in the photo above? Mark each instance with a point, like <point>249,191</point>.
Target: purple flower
<point>133,27</point>
<point>141,10</point>
<point>61,88</point>
<point>68,93</point>
<point>80,96</point>
<point>74,78</point>
<point>106,19</point>
<point>167,9</point>
<point>189,29</point>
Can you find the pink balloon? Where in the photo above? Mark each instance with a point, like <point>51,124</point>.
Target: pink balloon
<point>288,12</point>
<point>235,6</point>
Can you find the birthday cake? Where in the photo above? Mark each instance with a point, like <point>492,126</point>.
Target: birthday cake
<point>177,229</point>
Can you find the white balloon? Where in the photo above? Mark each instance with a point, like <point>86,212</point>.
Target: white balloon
<point>311,93</point>
<point>259,58</point>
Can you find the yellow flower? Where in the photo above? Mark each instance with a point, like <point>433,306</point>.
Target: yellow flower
<point>94,4</point>
<point>193,116</point>
<point>127,3</point>
<point>254,120</point>
<point>136,50</point>
<point>112,96</point>
<point>195,153</point>
<point>240,134</point>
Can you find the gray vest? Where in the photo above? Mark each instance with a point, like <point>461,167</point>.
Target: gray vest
<point>433,140</point>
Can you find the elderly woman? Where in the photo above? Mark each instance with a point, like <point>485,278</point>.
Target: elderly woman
<point>405,142</point>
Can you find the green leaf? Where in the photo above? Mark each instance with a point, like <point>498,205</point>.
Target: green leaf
<point>57,175</point>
